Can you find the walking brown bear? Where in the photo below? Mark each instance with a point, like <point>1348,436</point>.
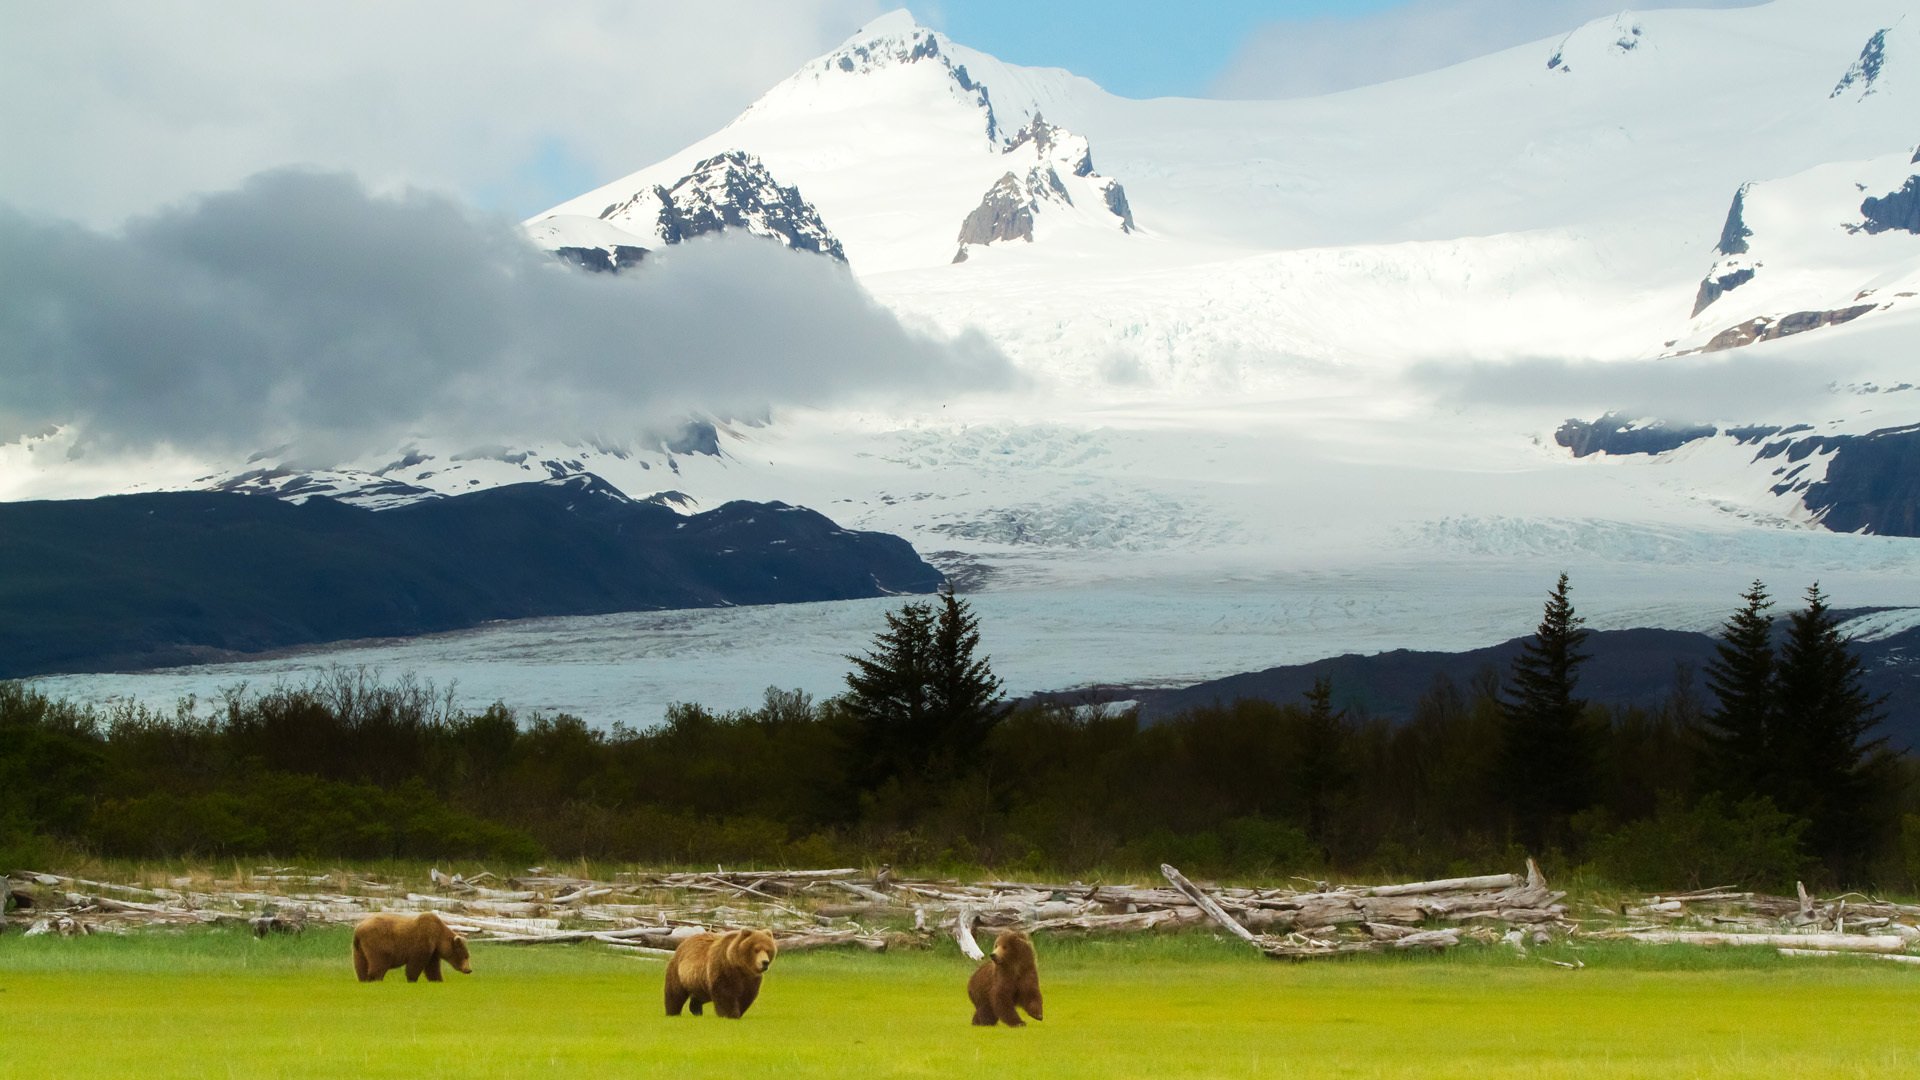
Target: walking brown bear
<point>1010,977</point>
<point>722,968</point>
<point>417,943</point>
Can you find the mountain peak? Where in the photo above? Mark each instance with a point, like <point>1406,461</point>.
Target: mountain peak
<point>896,23</point>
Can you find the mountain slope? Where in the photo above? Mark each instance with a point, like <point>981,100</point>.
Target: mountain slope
<point>144,580</point>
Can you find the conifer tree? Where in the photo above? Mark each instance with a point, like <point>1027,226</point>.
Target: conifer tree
<point>1740,732</point>
<point>1828,764</point>
<point>1323,771</point>
<point>965,697</point>
<point>1547,754</point>
<point>921,701</point>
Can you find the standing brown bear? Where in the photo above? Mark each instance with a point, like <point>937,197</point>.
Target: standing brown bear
<point>1010,977</point>
<point>722,968</point>
<point>415,942</point>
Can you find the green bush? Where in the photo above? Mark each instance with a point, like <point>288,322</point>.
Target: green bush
<point>1750,844</point>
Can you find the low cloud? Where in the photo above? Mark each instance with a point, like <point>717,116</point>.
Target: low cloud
<point>301,307</point>
<point>1733,387</point>
<point>1299,58</point>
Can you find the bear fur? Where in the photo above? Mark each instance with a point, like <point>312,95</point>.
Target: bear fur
<point>1010,977</point>
<point>415,942</point>
<point>722,968</point>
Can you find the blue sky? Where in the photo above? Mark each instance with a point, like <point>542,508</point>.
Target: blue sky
<point>1135,48</point>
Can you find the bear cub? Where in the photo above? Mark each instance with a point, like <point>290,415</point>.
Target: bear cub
<point>415,942</point>
<point>722,968</point>
<point>1010,977</point>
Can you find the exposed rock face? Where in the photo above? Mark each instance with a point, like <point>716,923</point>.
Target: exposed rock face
<point>1865,72</point>
<point>1051,155</point>
<point>1735,233</point>
<point>734,190</point>
<point>1006,213</point>
<point>1896,210</point>
<point>1731,271</point>
<point>1713,288</point>
<point>602,260</point>
<point>1616,434</point>
<point>1766,328</point>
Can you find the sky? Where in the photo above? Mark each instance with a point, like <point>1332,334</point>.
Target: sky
<point>110,108</point>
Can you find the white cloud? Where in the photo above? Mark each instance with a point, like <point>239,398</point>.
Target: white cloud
<point>1300,58</point>
<point>115,107</point>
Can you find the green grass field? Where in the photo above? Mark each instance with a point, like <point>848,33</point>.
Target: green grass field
<point>218,1003</point>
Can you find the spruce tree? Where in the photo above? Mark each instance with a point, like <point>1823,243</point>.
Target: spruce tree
<point>1547,754</point>
<point>1739,731</point>
<point>1323,770</point>
<point>888,692</point>
<point>965,696</point>
<point>1829,765</point>
<point>921,701</point>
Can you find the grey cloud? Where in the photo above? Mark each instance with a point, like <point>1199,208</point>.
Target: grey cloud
<point>300,305</point>
<point>1319,56</point>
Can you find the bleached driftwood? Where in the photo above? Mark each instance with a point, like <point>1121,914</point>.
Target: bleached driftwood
<point>1898,958</point>
<point>1205,903</point>
<point>963,934</point>
<point>1885,943</point>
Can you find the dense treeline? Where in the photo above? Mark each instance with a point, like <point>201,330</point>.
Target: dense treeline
<point>921,764</point>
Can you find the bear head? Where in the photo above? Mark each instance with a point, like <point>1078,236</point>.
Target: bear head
<point>753,950</point>
<point>1013,949</point>
<point>453,949</point>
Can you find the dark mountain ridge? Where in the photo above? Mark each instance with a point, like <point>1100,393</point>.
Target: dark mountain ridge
<point>132,581</point>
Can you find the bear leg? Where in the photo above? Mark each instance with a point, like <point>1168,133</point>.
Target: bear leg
<point>677,993</point>
<point>1003,1009</point>
<point>360,968</point>
<point>746,1000</point>
<point>433,970</point>
<point>413,970</point>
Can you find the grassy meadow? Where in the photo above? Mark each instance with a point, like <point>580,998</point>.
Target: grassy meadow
<point>218,1003</point>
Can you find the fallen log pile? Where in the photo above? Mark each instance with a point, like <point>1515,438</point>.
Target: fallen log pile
<point>647,914</point>
<point>1800,925</point>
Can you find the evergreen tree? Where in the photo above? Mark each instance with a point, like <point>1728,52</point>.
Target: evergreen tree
<point>1547,753</point>
<point>1740,730</point>
<point>965,697</point>
<point>1323,770</point>
<point>921,701</point>
<point>1828,766</point>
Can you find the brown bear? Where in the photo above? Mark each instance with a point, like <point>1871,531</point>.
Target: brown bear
<point>1010,977</point>
<point>415,942</point>
<point>722,968</point>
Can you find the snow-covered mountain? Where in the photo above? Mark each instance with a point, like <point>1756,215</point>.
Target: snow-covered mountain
<point>1385,303</point>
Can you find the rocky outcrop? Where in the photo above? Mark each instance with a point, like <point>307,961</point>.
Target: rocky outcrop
<point>1865,72</point>
<point>1051,163</point>
<point>1735,233</point>
<point>1767,328</point>
<point>735,191</point>
<point>1899,210</point>
<point>1005,213</point>
<point>602,260</point>
<point>1732,270</point>
<point>1713,288</point>
<point>1617,435</point>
